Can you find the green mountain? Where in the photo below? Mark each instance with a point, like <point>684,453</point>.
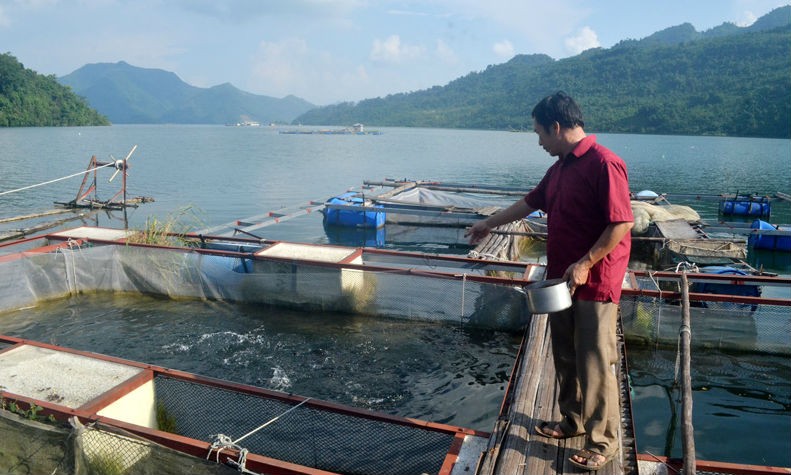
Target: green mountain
<point>133,95</point>
<point>28,99</point>
<point>729,80</point>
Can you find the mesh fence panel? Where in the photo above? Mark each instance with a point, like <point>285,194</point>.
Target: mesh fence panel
<point>305,435</point>
<point>733,326</point>
<point>304,286</point>
<point>30,447</point>
<point>103,451</point>
<point>402,293</point>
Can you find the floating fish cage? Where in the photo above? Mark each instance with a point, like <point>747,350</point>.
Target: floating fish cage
<point>746,205</point>
<point>768,241</point>
<point>130,417</point>
<point>729,309</point>
<point>307,277</point>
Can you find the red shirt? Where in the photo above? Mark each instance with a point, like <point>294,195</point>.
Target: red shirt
<point>582,194</point>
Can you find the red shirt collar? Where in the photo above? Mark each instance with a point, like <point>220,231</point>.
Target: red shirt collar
<point>583,146</point>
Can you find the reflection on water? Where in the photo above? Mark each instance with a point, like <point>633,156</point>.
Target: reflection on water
<point>441,373</point>
<point>741,405</point>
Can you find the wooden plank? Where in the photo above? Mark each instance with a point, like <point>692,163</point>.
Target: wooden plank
<point>395,191</point>
<point>676,229</point>
<point>515,448</point>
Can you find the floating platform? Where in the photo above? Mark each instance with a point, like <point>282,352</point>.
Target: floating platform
<point>130,417</point>
<point>690,243</point>
<point>458,290</point>
<point>484,291</point>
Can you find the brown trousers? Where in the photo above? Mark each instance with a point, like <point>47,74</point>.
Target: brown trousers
<point>584,347</point>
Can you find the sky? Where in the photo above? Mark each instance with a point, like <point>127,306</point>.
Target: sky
<point>329,51</point>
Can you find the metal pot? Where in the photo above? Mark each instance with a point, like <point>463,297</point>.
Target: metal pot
<point>548,296</point>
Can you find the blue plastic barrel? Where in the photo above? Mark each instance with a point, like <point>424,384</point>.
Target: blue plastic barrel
<point>746,290</point>
<point>353,218</point>
<point>772,243</point>
<point>746,206</point>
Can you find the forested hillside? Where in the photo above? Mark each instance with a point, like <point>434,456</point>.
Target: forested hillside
<point>132,95</point>
<point>728,81</point>
<point>28,99</point>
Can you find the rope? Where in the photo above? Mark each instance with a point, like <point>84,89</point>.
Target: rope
<point>659,310</point>
<point>223,442</point>
<point>111,164</point>
<point>683,329</point>
<point>270,421</point>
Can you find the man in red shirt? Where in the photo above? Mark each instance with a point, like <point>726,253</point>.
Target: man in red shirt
<point>585,194</point>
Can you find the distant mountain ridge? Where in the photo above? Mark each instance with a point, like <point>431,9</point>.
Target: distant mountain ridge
<point>729,80</point>
<point>128,94</point>
<point>777,18</point>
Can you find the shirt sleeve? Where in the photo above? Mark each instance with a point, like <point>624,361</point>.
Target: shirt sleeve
<point>619,205</point>
<point>536,198</point>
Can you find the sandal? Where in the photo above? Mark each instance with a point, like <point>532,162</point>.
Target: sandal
<point>547,429</point>
<point>589,463</point>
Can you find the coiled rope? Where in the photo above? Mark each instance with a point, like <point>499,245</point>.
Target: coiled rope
<point>223,442</point>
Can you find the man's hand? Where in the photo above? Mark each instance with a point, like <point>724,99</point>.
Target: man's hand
<point>577,274</point>
<point>478,231</point>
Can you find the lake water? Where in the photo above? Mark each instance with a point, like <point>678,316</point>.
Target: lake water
<point>208,175</point>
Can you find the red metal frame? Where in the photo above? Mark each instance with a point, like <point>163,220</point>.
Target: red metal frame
<point>521,267</point>
<point>718,467</point>
<point>40,250</point>
<point>87,413</point>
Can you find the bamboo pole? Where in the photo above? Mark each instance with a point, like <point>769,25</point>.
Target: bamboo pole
<point>685,334</point>
<point>34,215</point>
<point>20,233</point>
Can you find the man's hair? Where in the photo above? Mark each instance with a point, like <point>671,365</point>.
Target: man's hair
<point>560,108</point>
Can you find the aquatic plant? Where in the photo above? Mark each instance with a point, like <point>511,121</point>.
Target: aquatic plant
<point>165,421</point>
<point>105,464</point>
<point>169,231</point>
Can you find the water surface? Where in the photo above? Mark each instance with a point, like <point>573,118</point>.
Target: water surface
<point>208,175</point>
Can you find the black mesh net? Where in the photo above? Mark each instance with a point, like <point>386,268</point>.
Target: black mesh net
<point>306,435</point>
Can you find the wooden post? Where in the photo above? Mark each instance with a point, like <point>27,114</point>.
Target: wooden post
<point>685,334</point>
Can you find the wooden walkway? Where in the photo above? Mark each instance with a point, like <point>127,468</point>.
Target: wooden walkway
<point>515,449</point>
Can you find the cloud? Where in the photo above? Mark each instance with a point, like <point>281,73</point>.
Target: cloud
<point>747,19</point>
<point>4,21</point>
<point>585,39</point>
<point>391,50</point>
<point>504,49</point>
<point>292,66</point>
<point>244,11</point>
<point>35,4</point>
<point>280,64</point>
<point>407,13</point>
<point>445,53</point>
<point>531,22</point>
